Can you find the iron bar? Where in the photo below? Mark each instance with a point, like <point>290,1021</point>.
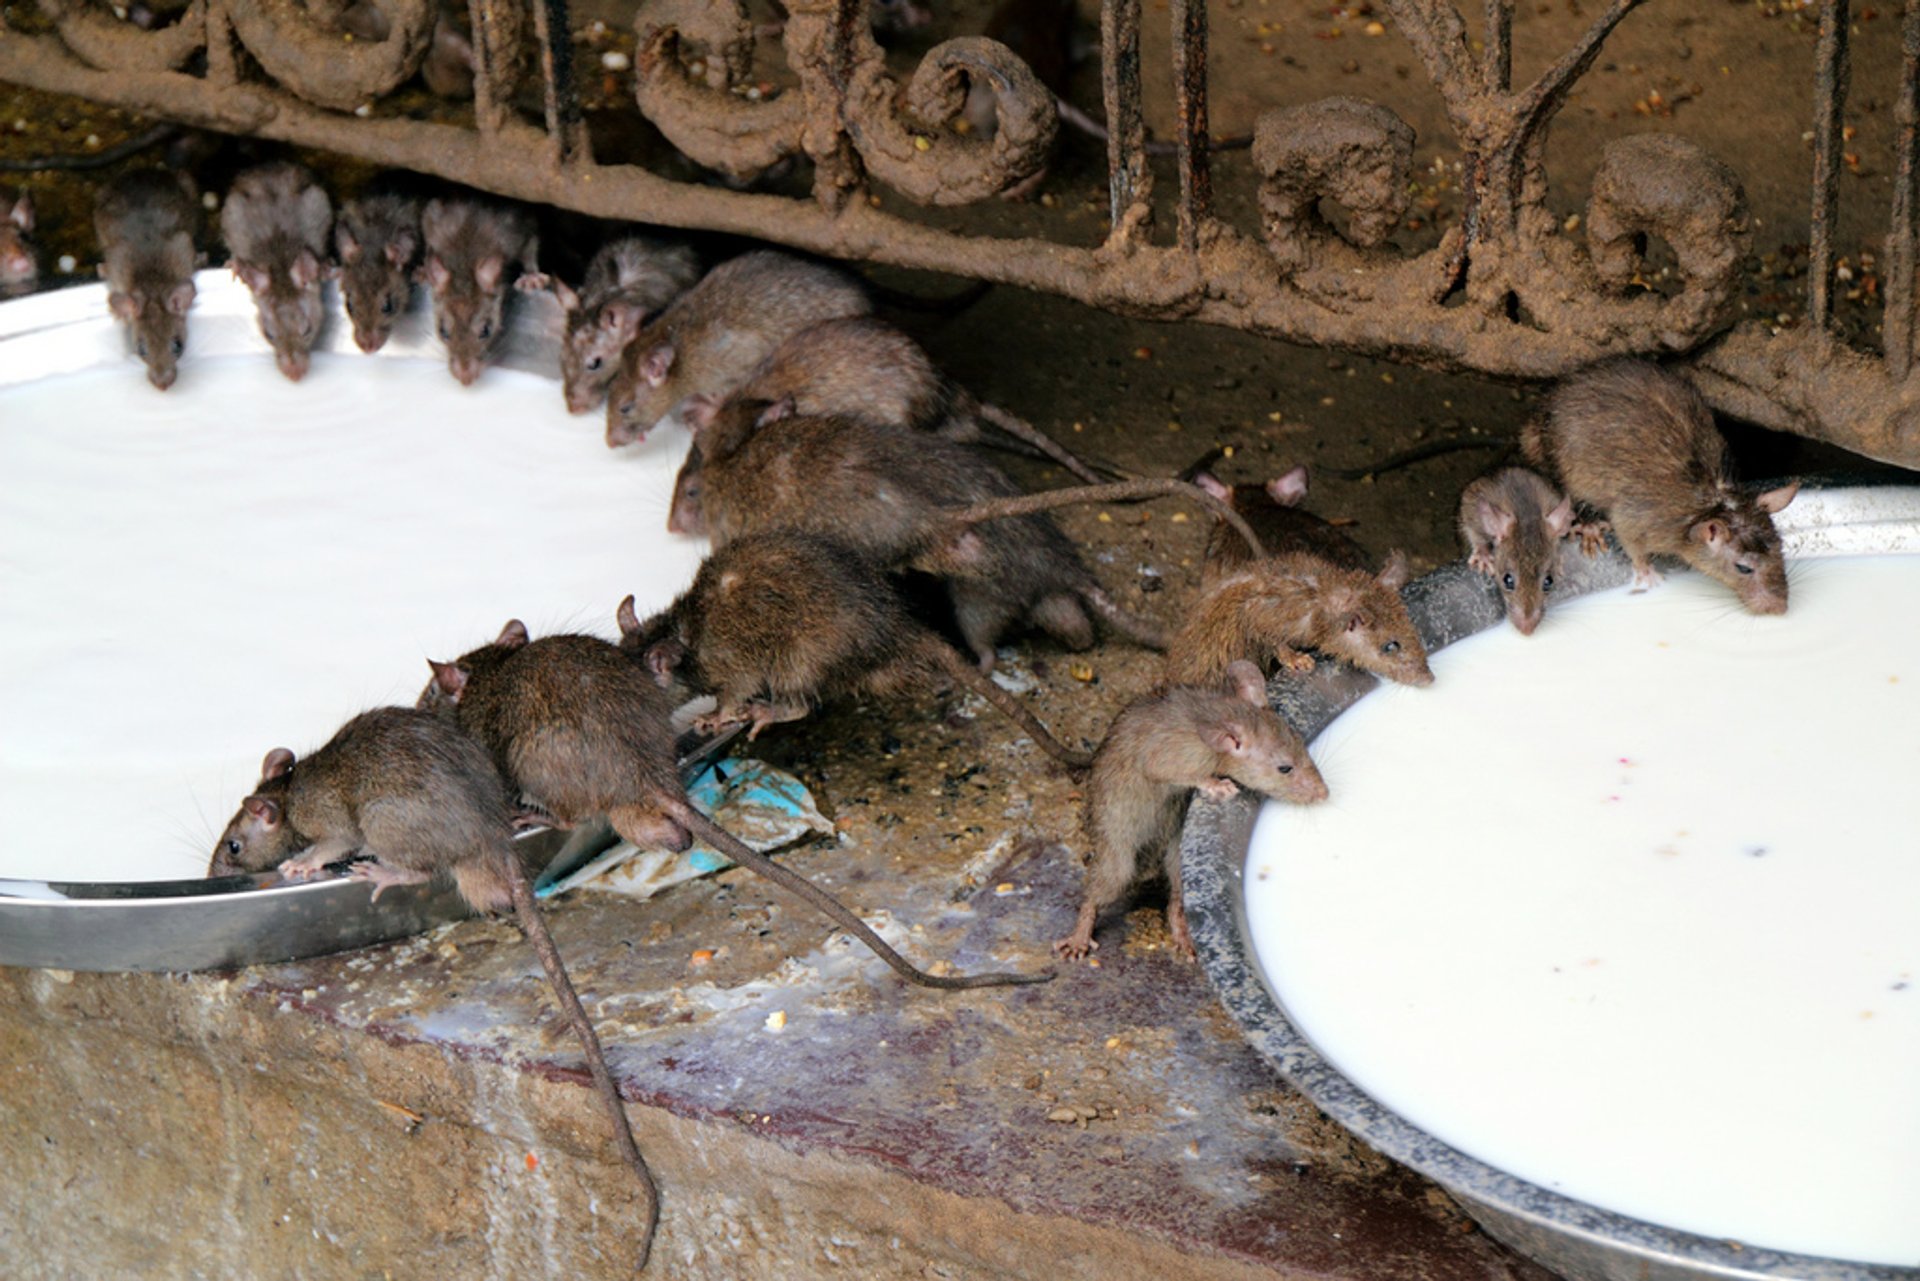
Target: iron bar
<point>565,126</point>
<point>1898,324</point>
<point>1129,183</point>
<point>1498,68</point>
<point>1546,94</point>
<point>1829,108</point>
<point>490,108</point>
<point>1191,140</point>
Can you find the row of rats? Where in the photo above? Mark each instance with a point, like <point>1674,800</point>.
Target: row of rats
<point>277,223</point>
<point>409,796</point>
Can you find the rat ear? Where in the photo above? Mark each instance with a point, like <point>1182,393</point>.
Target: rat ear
<point>180,297</point>
<point>1247,682</point>
<point>662,658</point>
<point>621,316</point>
<point>1213,485</point>
<point>698,410</point>
<point>305,272</point>
<point>513,635</point>
<point>1560,519</point>
<point>256,279</point>
<point>278,762</point>
<point>262,810</point>
<point>436,274</point>
<point>1495,521</point>
<point>1775,499</point>
<point>628,619</point>
<point>656,363</point>
<point>1355,622</point>
<point>486,272</point>
<point>773,413</point>
<point>1288,489</point>
<point>1396,572</point>
<point>21,215</point>
<point>402,247</point>
<point>349,247</point>
<point>449,678</point>
<point>1225,739</point>
<point>1712,531</point>
<point>122,305</point>
<point>563,292</point>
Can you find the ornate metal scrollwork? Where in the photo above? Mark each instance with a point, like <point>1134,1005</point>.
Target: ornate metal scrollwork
<point>323,66</point>
<point>703,115</point>
<point>911,147</point>
<point>1358,154</point>
<point>1658,184</point>
<point>104,41</point>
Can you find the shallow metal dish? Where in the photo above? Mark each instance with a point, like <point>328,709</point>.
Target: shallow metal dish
<point>241,920</point>
<point>1578,1240</point>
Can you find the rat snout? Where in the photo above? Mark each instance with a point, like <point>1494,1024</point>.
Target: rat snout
<point>1525,619</point>
<point>293,364</point>
<point>578,402</point>
<point>1312,790</point>
<point>466,369</point>
<point>1767,603</point>
<point>162,376</point>
<point>369,339</point>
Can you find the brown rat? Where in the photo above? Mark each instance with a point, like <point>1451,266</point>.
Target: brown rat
<point>412,797</point>
<point>890,494</point>
<point>716,334</point>
<point>1632,440</point>
<point>1273,509</point>
<point>628,281</point>
<point>377,235</point>
<point>471,242</point>
<point>1514,523</point>
<point>277,223</point>
<point>146,220</point>
<point>1279,607</point>
<point>1161,748</point>
<point>779,621</point>
<point>862,367</point>
<point>19,261</point>
<point>582,730</point>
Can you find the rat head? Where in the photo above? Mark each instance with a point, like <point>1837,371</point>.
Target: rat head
<point>644,389</point>
<point>259,835</point>
<point>450,680</point>
<point>590,350</point>
<point>376,283</point>
<point>1736,543</point>
<point>655,644</point>
<point>288,300</point>
<point>688,515</point>
<point>19,267</point>
<point>469,310</point>
<point>1526,554</point>
<point>158,323</point>
<point>1256,748</point>
<point>1370,626</point>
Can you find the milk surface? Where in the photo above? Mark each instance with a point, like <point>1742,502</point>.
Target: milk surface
<point>1631,908</point>
<point>190,578</point>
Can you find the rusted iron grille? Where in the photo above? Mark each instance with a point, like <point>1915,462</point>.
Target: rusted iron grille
<point>1502,294</point>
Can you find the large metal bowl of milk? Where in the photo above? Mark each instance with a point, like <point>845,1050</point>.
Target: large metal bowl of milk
<point>189,578</point>
<point>1614,931</point>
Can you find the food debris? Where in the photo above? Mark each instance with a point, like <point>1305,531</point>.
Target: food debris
<point>533,1162</point>
<point>701,956</point>
<point>776,1020</point>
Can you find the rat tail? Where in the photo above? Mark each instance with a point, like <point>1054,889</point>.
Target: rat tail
<point>705,829</point>
<point>1141,631</point>
<point>534,926</point>
<point>941,656</point>
<point>1122,491</point>
<point>1022,430</point>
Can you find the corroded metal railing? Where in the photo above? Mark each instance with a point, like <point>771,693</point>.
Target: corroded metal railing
<point>1503,292</point>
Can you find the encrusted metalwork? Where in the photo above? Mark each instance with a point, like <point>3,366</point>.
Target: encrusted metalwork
<point>1503,293</point>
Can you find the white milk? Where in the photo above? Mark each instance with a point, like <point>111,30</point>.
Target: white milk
<point>190,578</point>
<point>1631,909</point>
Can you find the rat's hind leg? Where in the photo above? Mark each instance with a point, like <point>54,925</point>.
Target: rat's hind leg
<point>381,876</point>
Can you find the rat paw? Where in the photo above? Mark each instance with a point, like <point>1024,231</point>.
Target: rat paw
<point>1074,947</point>
<point>1592,535</point>
<point>533,282</point>
<point>1297,661</point>
<point>1481,561</point>
<point>1219,789</point>
<point>1645,576</point>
